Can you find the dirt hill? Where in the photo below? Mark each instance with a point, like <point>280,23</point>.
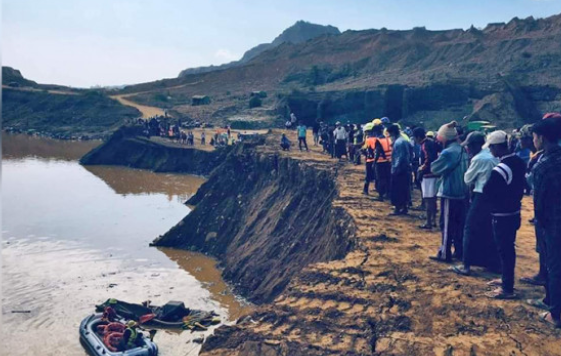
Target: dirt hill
<point>507,72</point>
<point>59,111</point>
<point>300,32</point>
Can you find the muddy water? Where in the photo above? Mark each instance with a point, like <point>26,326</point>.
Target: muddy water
<point>74,236</point>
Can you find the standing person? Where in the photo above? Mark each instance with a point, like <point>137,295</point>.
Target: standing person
<point>359,137</point>
<point>203,138</point>
<point>331,141</point>
<point>547,207</point>
<point>285,143</point>
<point>350,142</point>
<point>539,278</point>
<point>400,170</point>
<point>340,135</point>
<point>370,152</point>
<point>450,166</point>
<point>292,119</point>
<point>302,136</point>
<point>504,191</point>
<point>429,153</point>
<point>479,248</point>
<point>315,130</point>
<point>382,162</point>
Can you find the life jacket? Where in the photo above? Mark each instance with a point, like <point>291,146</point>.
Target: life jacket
<point>387,147</point>
<point>132,339</point>
<point>370,147</point>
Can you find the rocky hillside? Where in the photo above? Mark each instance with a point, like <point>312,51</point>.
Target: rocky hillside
<point>300,32</point>
<point>506,72</point>
<point>58,111</point>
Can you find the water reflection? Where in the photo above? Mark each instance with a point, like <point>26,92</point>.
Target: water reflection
<point>22,146</point>
<point>135,181</point>
<point>204,269</point>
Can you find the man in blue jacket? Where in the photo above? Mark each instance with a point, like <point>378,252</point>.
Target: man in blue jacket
<point>451,167</point>
<point>401,171</point>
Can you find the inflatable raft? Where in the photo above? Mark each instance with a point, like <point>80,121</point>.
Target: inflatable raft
<point>93,341</point>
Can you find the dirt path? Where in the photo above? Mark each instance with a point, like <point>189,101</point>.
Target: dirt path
<point>386,297</point>
<point>147,111</point>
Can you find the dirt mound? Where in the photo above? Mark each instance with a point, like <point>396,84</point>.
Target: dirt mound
<point>127,147</point>
<point>265,216</point>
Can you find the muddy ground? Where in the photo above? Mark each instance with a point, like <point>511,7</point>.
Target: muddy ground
<point>387,298</point>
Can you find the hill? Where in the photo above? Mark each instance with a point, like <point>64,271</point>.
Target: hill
<point>300,32</point>
<point>507,73</point>
<point>58,111</point>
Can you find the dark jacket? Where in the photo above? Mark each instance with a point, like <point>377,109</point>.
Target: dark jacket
<point>505,188</point>
<point>547,191</point>
<point>429,154</point>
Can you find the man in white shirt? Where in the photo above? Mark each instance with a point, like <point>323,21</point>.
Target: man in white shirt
<point>341,136</point>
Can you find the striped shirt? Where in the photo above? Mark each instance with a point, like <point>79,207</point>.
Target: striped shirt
<point>505,188</point>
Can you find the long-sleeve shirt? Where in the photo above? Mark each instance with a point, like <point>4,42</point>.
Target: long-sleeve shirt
<point>547,191</point>
<point>451,166</point>
<point>340,133</point>
<point>401,156</point>
<point>480,169</point>
<point>429,154</point>
<point>505,188</point>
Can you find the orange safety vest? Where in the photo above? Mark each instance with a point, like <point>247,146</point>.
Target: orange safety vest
<point>370,146</point>
<point>387,147</point>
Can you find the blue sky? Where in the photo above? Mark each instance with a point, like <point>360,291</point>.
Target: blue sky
<point>111,42</point>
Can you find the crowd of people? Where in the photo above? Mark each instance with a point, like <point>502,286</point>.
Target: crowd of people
<point>161,126</point>
<point>479,179</point>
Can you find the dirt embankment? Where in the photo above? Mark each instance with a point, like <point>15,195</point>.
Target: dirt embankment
<point>383,298</point>
<point>266,216</point>
<point>126,147</point>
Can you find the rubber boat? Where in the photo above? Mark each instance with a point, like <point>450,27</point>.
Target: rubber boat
<point>93,342</point>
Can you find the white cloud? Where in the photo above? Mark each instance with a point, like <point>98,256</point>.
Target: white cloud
<point>226,55</point>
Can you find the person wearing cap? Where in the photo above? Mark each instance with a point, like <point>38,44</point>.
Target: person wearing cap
<point>547,209</point>
<point>539,278</point>
<point>382,162</point>
<point>429,153</point>
<point>479,247</point>
<point>504,191</point>
<point>451,167</point>
<point>340,135</point>
<point>430,134</point>
<point>400,171</point>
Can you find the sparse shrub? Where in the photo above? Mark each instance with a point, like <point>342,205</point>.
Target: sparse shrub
<point>255,102</point>
<point>161,97</point>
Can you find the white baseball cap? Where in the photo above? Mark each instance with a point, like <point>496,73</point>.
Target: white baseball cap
<point>496,138</point>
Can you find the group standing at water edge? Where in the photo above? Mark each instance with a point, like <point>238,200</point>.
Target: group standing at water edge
<point>480,180</point>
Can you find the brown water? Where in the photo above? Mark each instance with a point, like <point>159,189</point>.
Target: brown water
<point>75,236</point>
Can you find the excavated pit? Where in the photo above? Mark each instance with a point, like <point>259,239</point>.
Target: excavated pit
<point>265,216</point>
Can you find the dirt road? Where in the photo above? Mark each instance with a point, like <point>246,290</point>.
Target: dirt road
<point>147,111</point>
